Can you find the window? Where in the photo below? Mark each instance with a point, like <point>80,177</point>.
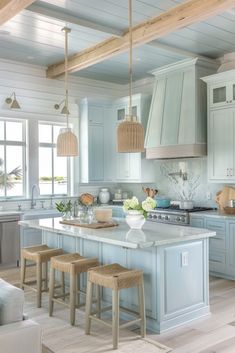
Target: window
<point>12,158</point>
<point>53,170</point>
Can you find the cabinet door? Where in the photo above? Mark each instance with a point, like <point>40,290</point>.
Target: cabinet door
<point>123,166</point>
<point>96,152</point>
<point>109,146</point>
<point>219,95</point>
<point>196,222</point>
<point>231,250</point>
<point>220,149</point>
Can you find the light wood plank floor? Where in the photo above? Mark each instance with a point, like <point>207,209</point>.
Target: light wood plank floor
<point>214,334</point>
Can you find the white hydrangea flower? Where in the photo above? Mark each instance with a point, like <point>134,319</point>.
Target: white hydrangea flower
<point>148,204</point>
<point>134,202</point>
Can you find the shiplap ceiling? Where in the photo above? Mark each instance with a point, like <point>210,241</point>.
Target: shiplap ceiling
<point>37,39</point>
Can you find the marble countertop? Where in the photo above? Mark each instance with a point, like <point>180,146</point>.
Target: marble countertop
<point>151,235</point>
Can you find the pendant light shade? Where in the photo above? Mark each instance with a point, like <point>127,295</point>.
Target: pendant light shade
<point>67,143</point>
<point>130,133</point>
<point>130,137</point>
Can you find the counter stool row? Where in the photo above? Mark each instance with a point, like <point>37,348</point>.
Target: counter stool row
<point>111,276</point>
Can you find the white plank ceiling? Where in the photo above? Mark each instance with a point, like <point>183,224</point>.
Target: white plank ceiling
<point>34,38</point>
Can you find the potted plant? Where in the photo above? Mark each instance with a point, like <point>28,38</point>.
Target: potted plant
<point>137,212</point>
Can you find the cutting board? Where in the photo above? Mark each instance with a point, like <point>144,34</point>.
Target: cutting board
<point>98,225</point>
<point>223,196</point>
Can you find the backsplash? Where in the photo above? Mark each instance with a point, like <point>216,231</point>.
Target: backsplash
<point>195,188</point>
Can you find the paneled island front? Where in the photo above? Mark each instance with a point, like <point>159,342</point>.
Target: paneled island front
<point>174,260</point>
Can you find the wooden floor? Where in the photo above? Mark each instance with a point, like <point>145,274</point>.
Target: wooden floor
<point>214,334</point>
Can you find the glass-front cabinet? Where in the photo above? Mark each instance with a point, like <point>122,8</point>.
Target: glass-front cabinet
<point>222,94</point>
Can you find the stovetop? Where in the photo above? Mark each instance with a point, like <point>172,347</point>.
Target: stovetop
<point>173,214</point>
<point>178,209</point>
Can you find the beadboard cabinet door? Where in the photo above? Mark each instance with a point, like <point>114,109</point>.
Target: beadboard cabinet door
<point>96,152</point>
<point>221,140</point>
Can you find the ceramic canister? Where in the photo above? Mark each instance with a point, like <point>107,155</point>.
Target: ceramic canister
<point>104,196</point>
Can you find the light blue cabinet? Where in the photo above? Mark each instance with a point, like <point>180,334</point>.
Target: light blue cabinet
<point>133,167</point>
<point>96,145</point>
<point>221,247</point>
<point>221,126</point>
<point>30,237</point>
<point>221,136</point>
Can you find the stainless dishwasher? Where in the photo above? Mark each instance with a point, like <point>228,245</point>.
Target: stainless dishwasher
<point>9,239</point>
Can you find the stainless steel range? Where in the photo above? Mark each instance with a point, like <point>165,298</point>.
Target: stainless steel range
<point>173,215</point>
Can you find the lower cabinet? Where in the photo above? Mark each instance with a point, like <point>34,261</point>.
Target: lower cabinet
<point>30,237</point>
<point>221,247</point>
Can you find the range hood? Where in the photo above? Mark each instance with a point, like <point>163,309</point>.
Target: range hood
<point>177,125</point>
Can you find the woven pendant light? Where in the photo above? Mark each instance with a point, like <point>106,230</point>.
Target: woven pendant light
<point>67,143</point>
<point>130,133</point>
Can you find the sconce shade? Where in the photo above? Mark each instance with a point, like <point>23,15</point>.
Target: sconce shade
<point>65,110</point>
<point>13,102</point>
<point>67,144</point>
<point>130,137</point>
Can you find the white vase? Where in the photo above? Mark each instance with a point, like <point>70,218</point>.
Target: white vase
<point>135,219</point>
<point>104,196</point>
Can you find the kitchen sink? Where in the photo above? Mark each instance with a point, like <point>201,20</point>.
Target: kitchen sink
<point>40,213</point>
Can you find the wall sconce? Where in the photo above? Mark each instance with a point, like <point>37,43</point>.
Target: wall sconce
<point>64,109</point>
<point>13,101</point>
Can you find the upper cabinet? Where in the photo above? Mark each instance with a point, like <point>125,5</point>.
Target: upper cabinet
<point>177,119</point>
<point>99,160</point>
<point>221,127</point>
<point>133,167</point>
<point>96,145</point>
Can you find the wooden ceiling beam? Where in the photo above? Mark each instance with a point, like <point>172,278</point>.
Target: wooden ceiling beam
<point>174,19</point>
<point>10,8</point>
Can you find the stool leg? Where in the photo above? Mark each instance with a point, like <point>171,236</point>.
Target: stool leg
<point>39,283</point>
<point>98,303</point>
<point>45,276</point>
<point>22,273</point>
<point>63,285</point>
<point>88,308</point>
<point>73,285</point>
<point>51,290</point>
<point>142,310</point>
<point>78,289</point>
<point>115,318</point>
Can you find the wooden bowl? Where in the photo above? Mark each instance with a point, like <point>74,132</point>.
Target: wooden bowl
<point>103,214</point>
<point>229,210</point>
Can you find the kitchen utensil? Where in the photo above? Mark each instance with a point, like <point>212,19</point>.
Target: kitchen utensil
<point>186,205</point>
<point>231,203</point>
<point>103,214</point>
<point>223,196</point>
<point>163,202</point>
<point>150,192</point>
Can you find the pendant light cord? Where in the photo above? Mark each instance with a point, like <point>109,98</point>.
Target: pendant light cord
<point>66,30</point>
<point>130,59</point>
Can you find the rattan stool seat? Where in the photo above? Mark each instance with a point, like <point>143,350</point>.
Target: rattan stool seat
<point>115,276</point>
<point>41,255</point>
<point>74,264</point>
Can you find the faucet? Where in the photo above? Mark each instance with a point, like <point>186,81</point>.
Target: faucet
<point>33,201</point>
<point>181,174</point>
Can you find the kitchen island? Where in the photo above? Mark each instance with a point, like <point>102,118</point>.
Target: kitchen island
<point>174,260</point>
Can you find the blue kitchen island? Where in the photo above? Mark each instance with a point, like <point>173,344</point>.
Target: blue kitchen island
<point>174,260</point>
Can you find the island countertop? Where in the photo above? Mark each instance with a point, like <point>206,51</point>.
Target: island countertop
<point>152,234</point>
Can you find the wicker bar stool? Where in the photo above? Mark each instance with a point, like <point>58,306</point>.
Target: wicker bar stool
<point>115,277</point>
<point>74,264</point>
<point>41,255</point>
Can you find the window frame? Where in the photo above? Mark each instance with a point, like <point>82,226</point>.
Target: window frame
<point>52,146</point>
<point>22,144</point>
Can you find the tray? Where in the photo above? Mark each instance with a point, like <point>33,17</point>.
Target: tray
<point>98,225</point>
<point>229,210</point>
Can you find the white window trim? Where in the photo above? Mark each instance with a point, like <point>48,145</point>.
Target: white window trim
<point>22,144</point>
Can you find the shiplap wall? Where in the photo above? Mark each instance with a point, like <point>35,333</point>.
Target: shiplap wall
<point>37,94</point>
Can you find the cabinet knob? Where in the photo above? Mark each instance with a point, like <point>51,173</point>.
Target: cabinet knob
<point>227,172</point>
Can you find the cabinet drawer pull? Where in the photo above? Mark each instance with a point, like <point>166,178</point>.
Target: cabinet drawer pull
<point>227,172</point>
<point>231,171</point>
